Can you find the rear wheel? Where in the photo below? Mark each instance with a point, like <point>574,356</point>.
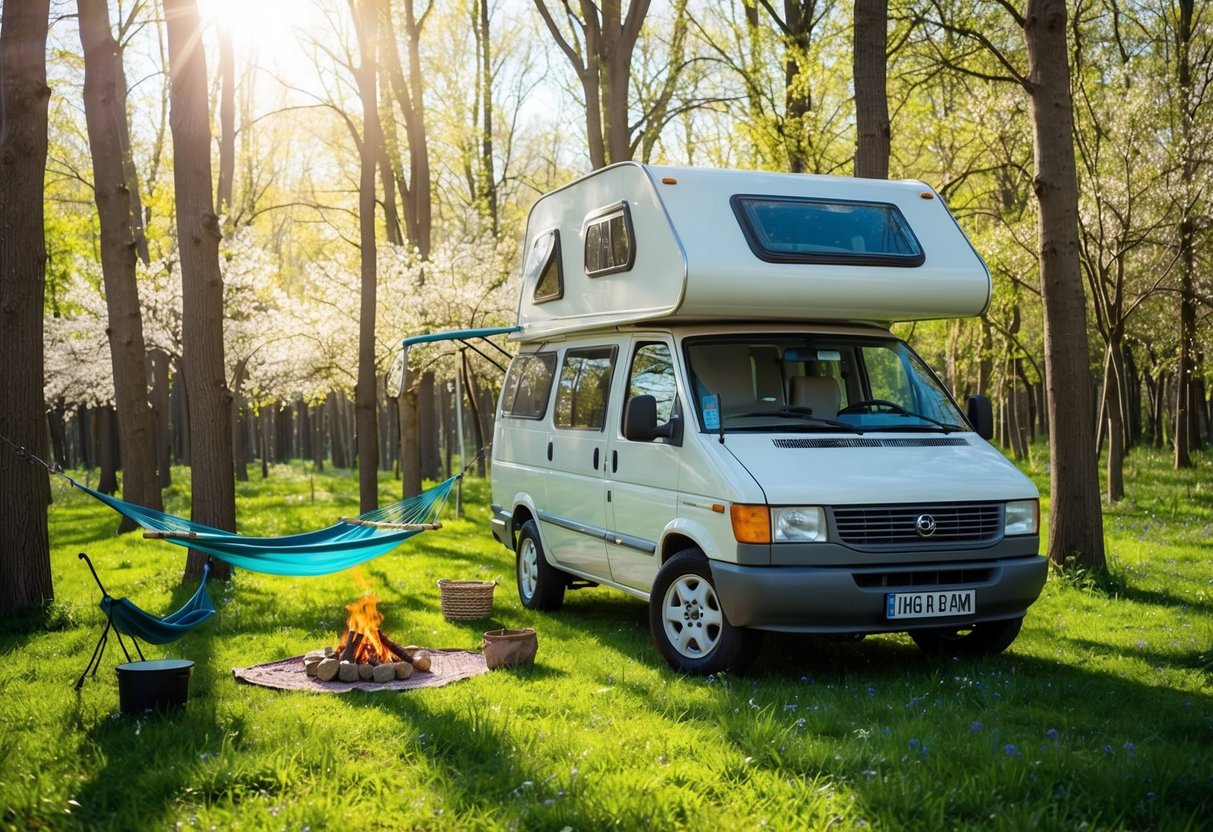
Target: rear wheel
<point>971,641</point>
<point>688,623</point>
<point>540,585</point>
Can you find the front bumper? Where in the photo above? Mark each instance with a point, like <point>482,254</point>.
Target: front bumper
<point>811,599</point>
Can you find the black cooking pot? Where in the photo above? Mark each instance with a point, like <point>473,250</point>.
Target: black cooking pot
<point>161,685</point>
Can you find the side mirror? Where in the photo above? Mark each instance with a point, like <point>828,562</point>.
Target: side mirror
<point>980,414</point>
<point>640,422</point>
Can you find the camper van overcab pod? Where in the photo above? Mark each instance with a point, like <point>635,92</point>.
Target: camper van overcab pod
<point>707,411</point>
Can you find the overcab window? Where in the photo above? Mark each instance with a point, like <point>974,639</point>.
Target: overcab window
<point>609,242</point>
<point>798,230</point>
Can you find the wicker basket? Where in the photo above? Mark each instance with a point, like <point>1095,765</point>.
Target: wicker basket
<point>466,600</point>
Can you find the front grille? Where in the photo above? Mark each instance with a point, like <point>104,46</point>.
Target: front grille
<point>926,578</point>
<point>955,524</point>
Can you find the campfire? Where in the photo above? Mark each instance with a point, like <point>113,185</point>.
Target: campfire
<point>365,653</point>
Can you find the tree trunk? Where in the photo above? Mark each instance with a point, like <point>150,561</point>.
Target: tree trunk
<point>263,441</point>
<point>319,416</point>
<point>415,192</point>
<point>158,361</point>
<point>1133,402</point>
<point>1114,483</point>
<point>1075,519</point>
<point>871,96</point>
<point>365,396</point>
<point>448,427</point>
<point>427,421</point>
<point>472,392</point>
<point>1187,233</point>
<point>103,108</point>
<point>486,189</point>
<point>24,543</point>
<point>213,491</point>
<point>227,123</point>
<point>389,148</point>
<point>57,426</point>
<point>88,453</point>
<point>107,457</point>
<point>410,472</point>
<point>335,405</point>
<point>603,67</point>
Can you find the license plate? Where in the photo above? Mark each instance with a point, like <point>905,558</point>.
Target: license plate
<point>935,604</point>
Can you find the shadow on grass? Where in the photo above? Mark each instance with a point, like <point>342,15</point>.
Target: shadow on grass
<point>152,759</point>
<point>1164,599</point>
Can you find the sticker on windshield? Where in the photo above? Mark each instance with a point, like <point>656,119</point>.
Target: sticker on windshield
<point>711,412</point>
<point>829,355</point>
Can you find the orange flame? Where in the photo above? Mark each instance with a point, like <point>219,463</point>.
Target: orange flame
<point>365,618</point>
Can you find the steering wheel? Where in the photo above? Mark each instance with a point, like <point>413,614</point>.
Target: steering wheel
<point>871,404</point>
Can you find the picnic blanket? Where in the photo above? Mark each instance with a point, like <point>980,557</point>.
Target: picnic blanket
<point>446,666</point>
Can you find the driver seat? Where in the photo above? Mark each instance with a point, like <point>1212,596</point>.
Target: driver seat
<point>820,394</point>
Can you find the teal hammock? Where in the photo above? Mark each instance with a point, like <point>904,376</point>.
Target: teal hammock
<point>346,543</point>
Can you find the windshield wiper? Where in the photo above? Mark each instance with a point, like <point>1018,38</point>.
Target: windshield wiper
<point>799,413</point>
<point>893,407</point>
<point>946,427</point>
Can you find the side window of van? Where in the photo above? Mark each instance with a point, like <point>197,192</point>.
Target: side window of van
<point>585,382</point>
<point>524,394</point>
<point>652,374</point>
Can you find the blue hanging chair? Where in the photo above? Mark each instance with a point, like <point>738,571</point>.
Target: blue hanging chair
<point>123,616</point>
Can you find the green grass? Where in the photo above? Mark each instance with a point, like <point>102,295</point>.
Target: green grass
<point>1100,716</point>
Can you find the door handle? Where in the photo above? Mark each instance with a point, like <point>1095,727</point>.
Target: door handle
<point>595,459</point>
<point>614,461</point>
<point>549,450</point>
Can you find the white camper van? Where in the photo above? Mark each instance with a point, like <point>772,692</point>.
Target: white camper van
<point>708,411</point>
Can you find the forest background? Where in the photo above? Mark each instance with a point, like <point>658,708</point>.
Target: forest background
<point>220,217</point>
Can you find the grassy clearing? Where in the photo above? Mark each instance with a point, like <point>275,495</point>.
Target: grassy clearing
<point>1100,715</point>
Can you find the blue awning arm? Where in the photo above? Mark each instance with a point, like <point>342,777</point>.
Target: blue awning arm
<point>464,336</point>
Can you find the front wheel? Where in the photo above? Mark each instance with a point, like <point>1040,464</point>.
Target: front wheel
<point>688,623</point>
<point>968,642</point>
<point>540,585</point>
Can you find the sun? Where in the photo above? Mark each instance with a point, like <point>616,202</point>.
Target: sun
<point>266,32</point>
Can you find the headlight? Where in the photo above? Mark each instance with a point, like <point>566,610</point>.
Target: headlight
<point>1022,517</point>
<point>799,524</point>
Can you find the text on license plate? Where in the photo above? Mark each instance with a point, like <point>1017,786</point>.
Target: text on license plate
<point>930,604</point>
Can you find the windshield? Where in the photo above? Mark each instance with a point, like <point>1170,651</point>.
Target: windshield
<point>781,383</point>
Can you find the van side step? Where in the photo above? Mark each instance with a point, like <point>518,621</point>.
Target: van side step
<point>579,583</point>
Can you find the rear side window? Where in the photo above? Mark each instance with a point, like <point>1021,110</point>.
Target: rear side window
<point>585,383</point>
<point>528,385</point>
<point>798,230</point>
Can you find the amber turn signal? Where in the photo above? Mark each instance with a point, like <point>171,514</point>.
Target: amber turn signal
<point>751,524</point>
